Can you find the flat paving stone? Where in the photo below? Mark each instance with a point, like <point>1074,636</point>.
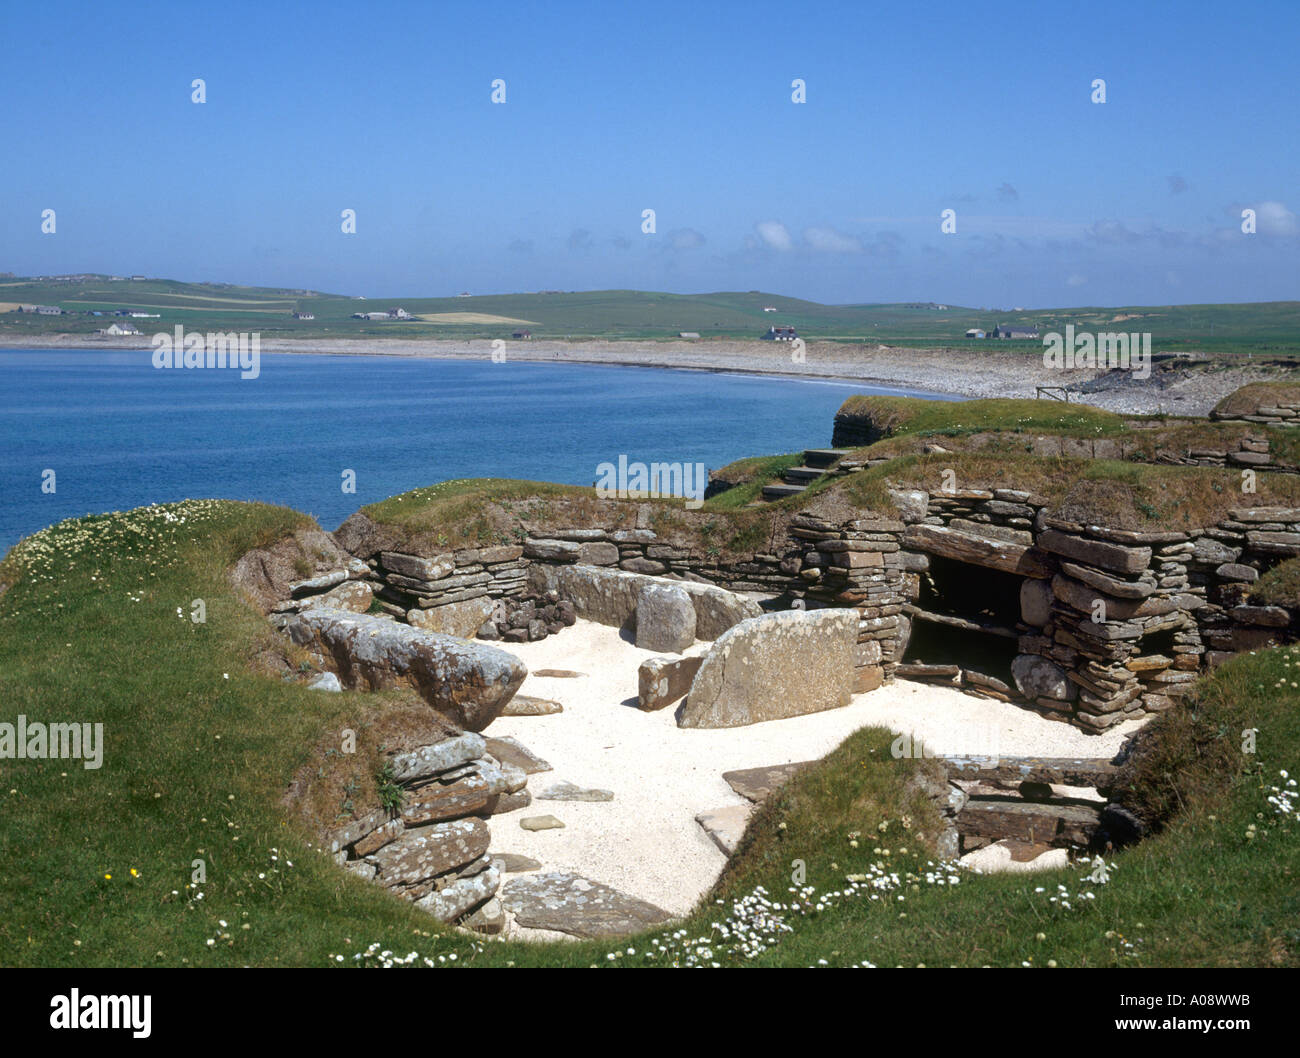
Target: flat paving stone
<point>569,903</point>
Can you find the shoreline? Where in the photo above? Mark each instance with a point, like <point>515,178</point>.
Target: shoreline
<point>941,373</point>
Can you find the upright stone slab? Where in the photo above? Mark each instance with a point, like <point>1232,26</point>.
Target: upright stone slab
<point>665,618</point>
<point>775,666</point>
<point>466,681</point>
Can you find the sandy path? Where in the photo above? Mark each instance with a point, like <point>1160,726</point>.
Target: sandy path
<point>646,841</point>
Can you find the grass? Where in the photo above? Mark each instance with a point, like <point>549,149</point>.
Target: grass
<point>100,866</point>
<point>1266,329</point>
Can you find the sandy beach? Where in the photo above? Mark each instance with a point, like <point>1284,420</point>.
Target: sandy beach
<point>998,370</point>
<point>646,841</point>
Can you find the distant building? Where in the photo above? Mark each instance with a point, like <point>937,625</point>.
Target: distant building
<point>145,315</point>
<point>769,308</point>
<point>688,334</point>
<point>399,314</point>
<point>975,332</point>
<point>1003,330</point>
<point>114,330</point>
<point>467,294</point>
<point>303,316</point>
<point>522,334</point>
<point>41,310</point>
<point>780,334</point>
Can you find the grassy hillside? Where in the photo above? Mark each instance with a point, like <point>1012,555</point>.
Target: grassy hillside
<point>1264,329</point>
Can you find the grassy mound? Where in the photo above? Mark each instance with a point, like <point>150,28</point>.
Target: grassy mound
<point>894,416</point>
<point>177,850</point>
<point>1250,398</point>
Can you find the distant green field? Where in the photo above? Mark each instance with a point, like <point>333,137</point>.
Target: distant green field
<point>1265,328</point>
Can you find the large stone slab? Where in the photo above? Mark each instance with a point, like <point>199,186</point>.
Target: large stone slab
<point>353,595</point>
<point>426,852</point>
<point>665,618</point>
<point>466,681</point>
<point>1117,558</point>
<point>569,903</point>
<point>726,825</point>
<point>439,757</point>
<point>461,619</point>
<point>757,784</point>
<point>662,681</point>
<point>1006,555</point>
<point>462,895</point>
<point>775,666</point>
<point>511,751</point>
<point>418,567</point>
<point>609,596</point>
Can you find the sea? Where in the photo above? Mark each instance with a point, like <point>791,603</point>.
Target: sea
<point>118,433</point>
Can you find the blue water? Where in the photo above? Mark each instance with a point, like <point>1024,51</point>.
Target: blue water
<point>120,434</point>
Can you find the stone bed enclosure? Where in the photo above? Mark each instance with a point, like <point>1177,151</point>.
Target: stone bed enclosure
<point>985,590</point>
<point>994,592</point>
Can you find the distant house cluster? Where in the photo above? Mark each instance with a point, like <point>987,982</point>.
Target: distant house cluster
<point>780,334</point>
<point>1003,330</point>
<point>523,335</point>
<point>117,330</point>
<point>391,314</point>
<point>41,310</point>
<point>304,316</point>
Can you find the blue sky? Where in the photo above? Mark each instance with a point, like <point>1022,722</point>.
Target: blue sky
<point>682,108</point>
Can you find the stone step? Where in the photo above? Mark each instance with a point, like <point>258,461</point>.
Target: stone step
<point>824,457</point>
<point>1047,824</point>
<point>776,492</point>
<point>1059,771</point>
<point>797,475</point>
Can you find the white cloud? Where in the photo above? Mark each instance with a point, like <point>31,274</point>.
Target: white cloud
<point>828,240</point>
<point>1273,218</point>
<point>774,234</point>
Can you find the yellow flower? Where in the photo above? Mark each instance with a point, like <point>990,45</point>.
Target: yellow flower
<point>135,873</point>
<point>109,877</point>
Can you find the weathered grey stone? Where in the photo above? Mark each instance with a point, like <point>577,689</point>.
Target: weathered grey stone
<point>490,919</point>
<point>354,595</point>
<point>775,666</point>
<point>552,550</point>
<point>462,895</point>
<point>567,791</point>
<point>513,863</point>
<point>569,903</point>
<point>1234,572</point>
<point>511,751</point>
<point>439,757</point>
<point>1037,677</point>
<point>319,583</point>
<point>436,802</point>
<point>324,681</point>
<point>600,553</point>
<point>526,705</point>
<point>757,784</point>
<point>1269,616</point>
<point>1115,557</point>
<point>1035,602</point>
<point>430,851</point>
<point>461,619</point>
<point>609,597</point>
<point>662,681</point>
<point>665,618</point>
<point>547,822</point>
<point>725,826</point>
<point>417,568</point>
<point>465,680</point>
<point>1006,555</point>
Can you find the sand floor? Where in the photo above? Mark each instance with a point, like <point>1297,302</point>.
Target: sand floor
<point>646,841</point>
